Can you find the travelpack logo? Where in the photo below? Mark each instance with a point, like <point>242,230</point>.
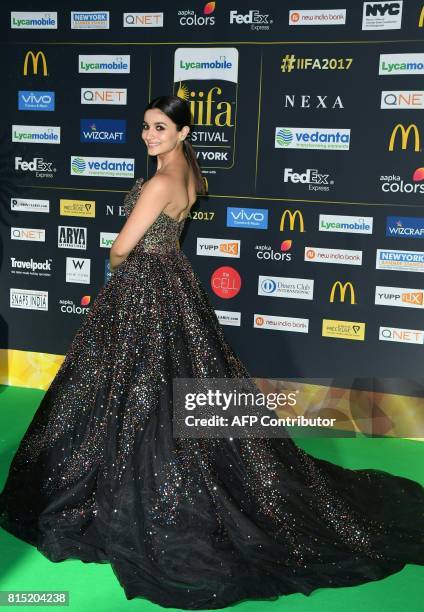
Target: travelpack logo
<point>399,296</point>
<point>36,134</point>
<point>284,287</point>
<point>382,15</point>
<point>29,299</point>
<point>207,79</point>
<point>104,64</point>
<point>107,239</point>
<point>253,18</point>
<point>27,233</point>
<point>78,270</point>
<point>326,139</point>
<point>70,307</point>
<point>103,95</point>
<point>218,247</point>
<point>114,167</point>
<point>36,59</point>
<point>308,101</point>
<point>38,165</point>
<point>317,17</point>
<point>394,184</point>
<point>226,282</point>
<point>112,131</point>
<point>188,17</point>
<point>316,181</point>
<point>71,237</point>
<point>343,330</point>
<point>26,205</point>
<point>251,218</point>
<point>36,100</point>
<point>401,63</point>
<point>227,317</point>
<point>401,261</point>
<point>291,324</point>
<point>265,252</point>
<point>30,267</point>
<point>90,20</point>
<point>405,227</point>
<point>333,256</point>
<point>345,224</point>
<point>402,100</point>
<point>341,289</point>
<point>143,20</point>
<point>290,62</point>
<point>398,334</point>
<point>78,208</point>
<point>33,21</point>
<point>405,133</point>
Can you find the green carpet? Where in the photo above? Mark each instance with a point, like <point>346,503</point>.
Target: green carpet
<point>22,567</point>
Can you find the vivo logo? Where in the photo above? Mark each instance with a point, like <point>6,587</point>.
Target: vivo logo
<point>36,100</point>
<point>253,218</point>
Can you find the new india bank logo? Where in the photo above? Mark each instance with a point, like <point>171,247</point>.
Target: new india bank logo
<point>405,134</point>
<point>36,59</point>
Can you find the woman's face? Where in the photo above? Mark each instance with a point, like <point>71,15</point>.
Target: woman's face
<point>159,132</point>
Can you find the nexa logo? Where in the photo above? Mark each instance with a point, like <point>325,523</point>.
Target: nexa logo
<point>379,9</point>
<point>292,220</point>
<point>343,287</point>
<point>405,133</point>
<point>36,58</point>
<point>306,101</point>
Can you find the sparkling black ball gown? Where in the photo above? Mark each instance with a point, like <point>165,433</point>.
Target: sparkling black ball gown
<point>188,523</point>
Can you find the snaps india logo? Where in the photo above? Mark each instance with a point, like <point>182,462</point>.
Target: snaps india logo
<point>187,17</point>
<point>207,80</point>
<point>34,60</point>
<point>405,137</point>
<point>343,287</point>
<point>78,165</point>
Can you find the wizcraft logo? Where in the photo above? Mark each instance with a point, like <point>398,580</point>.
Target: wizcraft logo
<point>36,59</point>
<point>343,287</point>
<point>405,133</point>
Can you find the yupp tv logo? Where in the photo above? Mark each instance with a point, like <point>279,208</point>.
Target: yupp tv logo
<point>207,80</point>
<point>36,59</point>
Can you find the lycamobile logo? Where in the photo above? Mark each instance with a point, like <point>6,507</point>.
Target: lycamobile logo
<point>215,64</point>
<point>104,63</point>
<point>33,21</point>
<point>102,166</point>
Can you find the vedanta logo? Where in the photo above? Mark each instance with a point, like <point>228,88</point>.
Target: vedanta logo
<point>292,220</point>
<point>405,133</point>
<point>35,59</point>
<point>343,287</point>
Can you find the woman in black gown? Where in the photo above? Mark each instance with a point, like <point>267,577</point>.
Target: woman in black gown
<point>187,523</point>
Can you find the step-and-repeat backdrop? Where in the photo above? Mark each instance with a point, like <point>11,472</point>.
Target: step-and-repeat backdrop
<point>308,126</point>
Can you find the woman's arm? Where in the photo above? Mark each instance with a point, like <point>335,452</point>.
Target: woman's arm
<point>155,195</point>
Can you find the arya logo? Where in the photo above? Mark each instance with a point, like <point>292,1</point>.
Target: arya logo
<point>112,131</point>
<point>343,287</point>
<point>189,18</point>
<point>251,218</point>
<point>405,133</point>
<point>36,59</point>
<point>71,237</point>
<point>405,227</point>
<point>325,139</point>
<point>36,100</point>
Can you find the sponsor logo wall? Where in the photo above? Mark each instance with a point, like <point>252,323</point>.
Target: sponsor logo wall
<point>312,155</point>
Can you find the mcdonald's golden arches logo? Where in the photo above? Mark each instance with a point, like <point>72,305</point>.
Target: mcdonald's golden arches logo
<point>292,216</point>
<point>421,19</point>
<point>35,60</point>
<point>405,133</point>
<point>343,287</point>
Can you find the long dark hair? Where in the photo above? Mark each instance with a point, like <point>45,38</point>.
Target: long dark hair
<point>178,111</point>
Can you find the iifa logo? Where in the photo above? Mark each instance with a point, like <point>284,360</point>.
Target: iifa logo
<point>343,287</point>
<point>253,218</point>
<point>117,167</point>
<point>405,227</point>
<point>36,100</point>
<point>405,132</point>
<point>35,58</point>
<point>105,130</point>
<point>327,139</point>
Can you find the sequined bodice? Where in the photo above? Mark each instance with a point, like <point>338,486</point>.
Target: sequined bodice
<point>162,236</point>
